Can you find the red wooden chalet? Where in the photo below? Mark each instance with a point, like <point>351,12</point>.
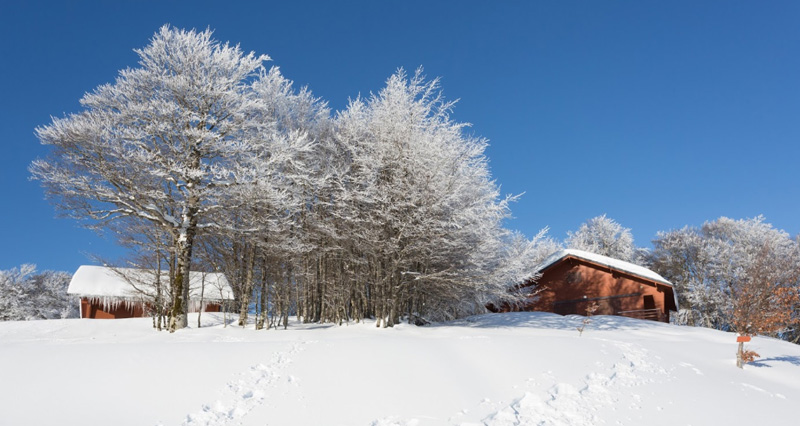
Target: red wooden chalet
<point>572,280</point>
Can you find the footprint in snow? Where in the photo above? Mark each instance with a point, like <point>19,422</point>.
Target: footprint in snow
<point>244,394</point>
<point>394,421</point>
<point>695,369</point>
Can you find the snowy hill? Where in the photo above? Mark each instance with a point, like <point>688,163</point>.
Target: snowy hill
<point>496,370</point>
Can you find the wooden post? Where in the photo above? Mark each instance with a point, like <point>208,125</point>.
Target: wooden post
<point>739,362</point>
<point>740,351</point>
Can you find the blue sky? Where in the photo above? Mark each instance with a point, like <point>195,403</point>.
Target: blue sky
<point>659,114</point>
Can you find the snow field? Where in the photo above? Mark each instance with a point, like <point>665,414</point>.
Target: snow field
<point>492,370</point>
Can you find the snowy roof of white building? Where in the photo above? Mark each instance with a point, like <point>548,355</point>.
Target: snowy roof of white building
<point>619,265</point>
<point>129,283</point>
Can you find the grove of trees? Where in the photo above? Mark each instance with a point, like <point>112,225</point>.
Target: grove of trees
<point>384,210</point>
<point>736,275</point>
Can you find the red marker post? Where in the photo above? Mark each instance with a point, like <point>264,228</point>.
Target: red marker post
<point>740,353</point>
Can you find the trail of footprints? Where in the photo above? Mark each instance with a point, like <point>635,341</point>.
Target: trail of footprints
<point>565,404</point>
<point>562,404</point>
<point>247,392</point>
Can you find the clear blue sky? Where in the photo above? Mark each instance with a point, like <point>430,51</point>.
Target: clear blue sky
<point>660,114</point>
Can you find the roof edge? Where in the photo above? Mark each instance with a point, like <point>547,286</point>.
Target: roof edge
<point>601,260</point>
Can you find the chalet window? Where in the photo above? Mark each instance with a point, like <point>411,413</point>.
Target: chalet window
<point>566,307</point>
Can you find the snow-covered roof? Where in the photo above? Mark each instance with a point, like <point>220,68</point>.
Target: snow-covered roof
<point>619,265</point>
<point>128,283</point>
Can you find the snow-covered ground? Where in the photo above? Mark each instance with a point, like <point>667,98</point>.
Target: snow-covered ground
<point>496,370</point>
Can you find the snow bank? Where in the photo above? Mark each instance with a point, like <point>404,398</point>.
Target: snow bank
<point>495,370</point>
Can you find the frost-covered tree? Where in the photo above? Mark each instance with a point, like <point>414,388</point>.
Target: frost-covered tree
<point>13,292</point>
<point>525,255</point>
<point>266,229</point>
<point>739,275</point>
<point>27,295</point>
<point>419,203</point>
<point>681,257</point>
<point>604,236</point>
<point>48,296</point>
<point>520,260</point>
<point>161,144</point>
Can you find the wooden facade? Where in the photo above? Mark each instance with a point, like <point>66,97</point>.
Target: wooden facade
<point>94,308</point>
<point>572,282</point>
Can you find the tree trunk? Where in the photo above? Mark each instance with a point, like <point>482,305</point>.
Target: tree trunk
<point>740,355</point>
<point>202,293</point>
<point>180,285</point>
<point>287,296</point>
<point>158,307</point>
<point>248,286</point>
<point>262,304</point>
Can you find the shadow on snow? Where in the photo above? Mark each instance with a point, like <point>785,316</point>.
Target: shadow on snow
<point>794,360</point>
<point>546,320</point>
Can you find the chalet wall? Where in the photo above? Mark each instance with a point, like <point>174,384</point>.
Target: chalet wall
<point>93,309</point>
<point>96,309</point>
<point>213,307</point>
